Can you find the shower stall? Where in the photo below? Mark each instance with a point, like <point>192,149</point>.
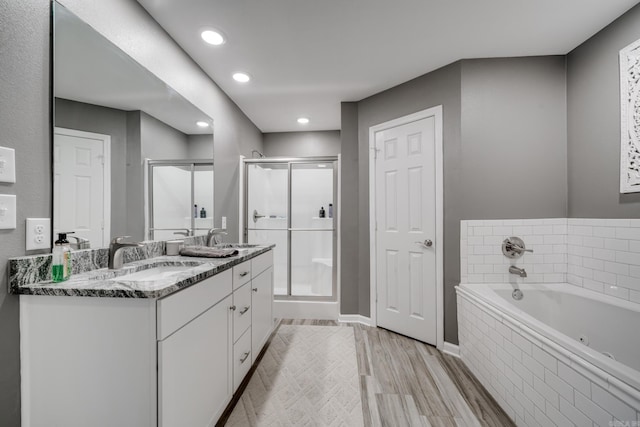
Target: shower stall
<point>179,198</point>
<point>292,203</point>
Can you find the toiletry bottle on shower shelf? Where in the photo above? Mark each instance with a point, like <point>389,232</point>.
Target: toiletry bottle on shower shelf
<point>203,213</point>
<point>330,210</point>
<point>195,211</point>
<point>61,259</point>
<point>321,213</point>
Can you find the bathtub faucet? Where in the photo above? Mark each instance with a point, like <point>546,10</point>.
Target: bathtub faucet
<point>519,271</point>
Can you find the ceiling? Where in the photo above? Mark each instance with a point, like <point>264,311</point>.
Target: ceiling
<point>307,56</point>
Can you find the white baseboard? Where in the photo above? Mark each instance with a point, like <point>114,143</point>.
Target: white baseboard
<point>355,318</point>
<point>322,310</point>
<point>451,349</point>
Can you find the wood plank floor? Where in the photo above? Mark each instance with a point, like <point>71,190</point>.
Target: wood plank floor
<point>408,383</point>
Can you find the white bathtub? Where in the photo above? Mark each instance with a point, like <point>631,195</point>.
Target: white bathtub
<point>529,353</point>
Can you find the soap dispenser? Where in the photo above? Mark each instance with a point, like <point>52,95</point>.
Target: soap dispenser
<point>61,259</point>
<point>321,214</point>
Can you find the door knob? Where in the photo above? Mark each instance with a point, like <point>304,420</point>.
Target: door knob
<point>427,243</point>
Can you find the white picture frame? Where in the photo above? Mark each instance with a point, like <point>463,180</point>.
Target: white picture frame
<point>630,118</point>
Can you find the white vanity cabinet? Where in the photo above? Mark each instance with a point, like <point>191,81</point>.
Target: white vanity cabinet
<point>194,353</point>
<point>173,361</point>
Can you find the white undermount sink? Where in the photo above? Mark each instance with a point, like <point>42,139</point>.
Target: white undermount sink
<point>154,274</point>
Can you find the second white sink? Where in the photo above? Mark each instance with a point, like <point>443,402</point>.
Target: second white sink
<point>153,274</point>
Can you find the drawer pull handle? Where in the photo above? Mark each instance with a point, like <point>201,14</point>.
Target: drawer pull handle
<point>244,357</point>
<point>244,273</point>
<point>244,310</point>
<point>232,308</point>
<point>255,289</point>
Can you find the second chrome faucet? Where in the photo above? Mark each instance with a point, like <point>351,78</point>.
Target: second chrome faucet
<point>115,251</point>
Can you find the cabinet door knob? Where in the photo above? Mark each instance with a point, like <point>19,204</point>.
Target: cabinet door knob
<point>232,308</point>
<point>255,289</point>
<point>244,357</point>
<point>244,273</point>
<point>244,310</point>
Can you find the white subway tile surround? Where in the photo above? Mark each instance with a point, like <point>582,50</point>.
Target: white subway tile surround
<point>598,254</point>
<point>537,382</point>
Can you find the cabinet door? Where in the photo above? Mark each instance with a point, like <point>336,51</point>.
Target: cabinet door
<point>194,379</point>
<point>262,306</point>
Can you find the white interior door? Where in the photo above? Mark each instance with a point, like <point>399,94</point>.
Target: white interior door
<point>406,236</point>
<point>81,190</point>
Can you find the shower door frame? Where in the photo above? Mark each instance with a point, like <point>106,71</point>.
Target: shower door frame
<point>289,161</point>
<point>150,164</point>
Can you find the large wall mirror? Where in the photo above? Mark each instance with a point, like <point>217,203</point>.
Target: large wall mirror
<point>114,124</point>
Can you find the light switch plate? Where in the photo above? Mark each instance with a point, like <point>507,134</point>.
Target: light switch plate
<point>7,211</point>
<point>7,164</point>
<point>224,222</point>
<point>38,233</point>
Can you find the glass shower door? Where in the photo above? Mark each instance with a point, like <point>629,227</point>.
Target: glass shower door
<point>267,215</point>
<point>292,204</point>
<point>180,198</point>
<point>312,229</point>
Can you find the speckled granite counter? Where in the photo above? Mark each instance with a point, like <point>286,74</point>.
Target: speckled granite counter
<point>105,283</point>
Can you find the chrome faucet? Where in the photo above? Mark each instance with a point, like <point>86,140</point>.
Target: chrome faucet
<point>81,243</point>
<point>519,271</point>
<point>115,251</point>
<point>213,236</point>
<point>183,232</point>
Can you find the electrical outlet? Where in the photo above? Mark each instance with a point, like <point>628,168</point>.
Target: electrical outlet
<point>7,211</point>
<point>38,233</point>
<point>224,222</point>
<point>7,165</point>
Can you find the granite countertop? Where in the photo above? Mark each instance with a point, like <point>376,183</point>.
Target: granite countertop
<point>106,283</point>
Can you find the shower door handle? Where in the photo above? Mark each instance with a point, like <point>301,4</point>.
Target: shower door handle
<point>256,216</point>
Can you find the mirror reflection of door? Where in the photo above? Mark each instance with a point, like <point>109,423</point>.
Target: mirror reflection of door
<point>81,185</point>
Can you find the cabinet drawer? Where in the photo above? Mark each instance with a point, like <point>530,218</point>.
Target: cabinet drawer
<point>241,358</point>
<point>178,309</point>
<point>241,274</point>
<point>242,313</point>
<point>261,263</point>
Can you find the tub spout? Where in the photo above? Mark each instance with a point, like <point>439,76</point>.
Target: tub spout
<point>519,271</point>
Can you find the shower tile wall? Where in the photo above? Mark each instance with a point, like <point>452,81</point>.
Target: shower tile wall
<point>598,254</point>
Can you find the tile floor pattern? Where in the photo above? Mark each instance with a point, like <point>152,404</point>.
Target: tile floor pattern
<point>307,377</point>
<point>403,382</point>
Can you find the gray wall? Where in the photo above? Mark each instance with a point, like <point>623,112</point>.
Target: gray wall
<point>514,161</point>
<point>593,97</point>
<point>440,87</point>
<point>107,121</point>
<point>301,144</point>
<point>504,155</point>
<point>24,126</point>
<point>200,146</point>
<point>161,141</point>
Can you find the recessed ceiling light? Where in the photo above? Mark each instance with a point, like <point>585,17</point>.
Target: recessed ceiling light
<point>303,120</point>
<point>202,124</point>
<point>212,37</point>
<point>241,77</point>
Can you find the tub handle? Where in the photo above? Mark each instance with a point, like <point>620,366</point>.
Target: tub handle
<point>513,247</point>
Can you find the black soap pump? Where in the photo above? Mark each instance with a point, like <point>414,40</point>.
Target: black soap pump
<point>203,213</point>
<point>321,213</point>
